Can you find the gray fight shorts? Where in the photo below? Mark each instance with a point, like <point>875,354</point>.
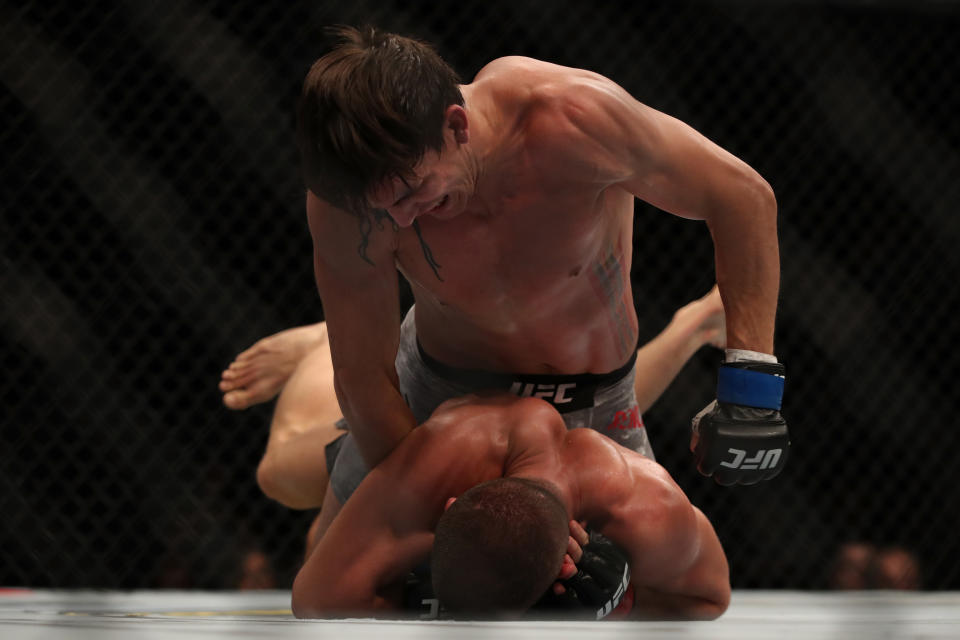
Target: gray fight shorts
<point>604,402</point>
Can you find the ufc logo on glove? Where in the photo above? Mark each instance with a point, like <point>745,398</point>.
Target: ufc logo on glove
<point>741,437</point>
<point>763,459</point>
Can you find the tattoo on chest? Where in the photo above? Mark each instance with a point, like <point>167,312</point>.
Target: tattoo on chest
<point>427,253</point>
<point>366,221</point>
<point>609,279</point>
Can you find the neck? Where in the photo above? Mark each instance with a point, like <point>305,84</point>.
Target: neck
<point>477,151</point>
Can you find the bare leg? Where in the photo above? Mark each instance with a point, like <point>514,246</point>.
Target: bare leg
<point>659,361</point>
<point>293,470</point>
<point>259,373</point>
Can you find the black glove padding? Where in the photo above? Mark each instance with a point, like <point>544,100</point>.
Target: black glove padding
<point>418,596</point>
<point>741,438</point>
<point>598,587</point>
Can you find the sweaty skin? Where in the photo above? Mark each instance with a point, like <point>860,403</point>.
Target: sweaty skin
<point>678,567</point>
<point>293,470</point>
<point>528,213</point>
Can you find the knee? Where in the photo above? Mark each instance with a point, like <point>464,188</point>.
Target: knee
<point>268,479</point>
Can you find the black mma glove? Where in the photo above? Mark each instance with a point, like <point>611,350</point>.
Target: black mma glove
<point>418,597</point>
<point>599,586</point>
<point>741,438</point>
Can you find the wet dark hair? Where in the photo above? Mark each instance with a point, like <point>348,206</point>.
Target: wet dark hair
<point>499,547</point>
<point>369,110</point>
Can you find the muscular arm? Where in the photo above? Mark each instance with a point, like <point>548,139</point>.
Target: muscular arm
<point>361,307</point>
<point>665,162</point>
<point>357,567</point>
<point>386,528</point>
<point>678,568</point>
<point>700,591</point>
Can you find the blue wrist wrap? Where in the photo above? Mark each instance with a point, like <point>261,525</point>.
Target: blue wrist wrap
<point>750,388</point>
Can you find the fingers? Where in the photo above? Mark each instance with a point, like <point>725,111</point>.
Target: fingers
<point>576,540</point>
<point>568,569</point>
<point>573,549</point>
<point>578,533</point>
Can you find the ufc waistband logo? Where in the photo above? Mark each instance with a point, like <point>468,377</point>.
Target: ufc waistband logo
<point>763,460</point>
<point>553,393</point>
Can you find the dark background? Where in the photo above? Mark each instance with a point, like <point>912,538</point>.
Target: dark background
<point>153,226</point>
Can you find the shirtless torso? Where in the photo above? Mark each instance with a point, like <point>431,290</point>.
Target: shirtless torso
<point>386,528</point>
<point>516,239</point>
<point>536,268</point>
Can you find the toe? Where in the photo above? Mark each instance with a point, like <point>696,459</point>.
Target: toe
<point>236,400</point>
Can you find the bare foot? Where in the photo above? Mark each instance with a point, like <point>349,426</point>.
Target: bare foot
<point>706,318</point>
<point>259,373</point>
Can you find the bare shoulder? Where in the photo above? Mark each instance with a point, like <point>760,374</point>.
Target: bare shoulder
<point>619,484</point>
<point>518,68</point>
<point>537,84</point>
<point>573,118</point>
<point>478,424</point>
<point>495,418</point>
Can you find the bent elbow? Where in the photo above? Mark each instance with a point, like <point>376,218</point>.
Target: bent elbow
<point>301,611</point>
<point>304,601</point>
<point>763,193</point>
<point>769,198</point>
<point>716,602</point>
<point>719,606</point>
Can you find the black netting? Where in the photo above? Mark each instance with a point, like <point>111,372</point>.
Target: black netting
<point>153,226</point>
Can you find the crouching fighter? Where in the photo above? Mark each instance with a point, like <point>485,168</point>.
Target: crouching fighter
<point>489,490</point>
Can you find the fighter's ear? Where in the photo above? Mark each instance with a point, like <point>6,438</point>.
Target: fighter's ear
<point>456,119</point>
<point>450,501</point>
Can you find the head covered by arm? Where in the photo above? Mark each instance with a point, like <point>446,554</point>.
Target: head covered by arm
<point>498,547</point>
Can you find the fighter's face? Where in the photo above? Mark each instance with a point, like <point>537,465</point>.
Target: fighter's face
<point>440,187</point>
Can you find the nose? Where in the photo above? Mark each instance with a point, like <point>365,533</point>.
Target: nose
<point>403,214</point>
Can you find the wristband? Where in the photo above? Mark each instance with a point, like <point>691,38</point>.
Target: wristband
<point>745,355</point>
<point>750,388</point>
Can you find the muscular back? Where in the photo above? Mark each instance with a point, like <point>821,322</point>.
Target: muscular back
<point>535,272</point>
<point>387,526</point>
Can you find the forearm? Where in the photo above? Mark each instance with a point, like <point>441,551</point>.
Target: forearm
<point>702,592</point>
<point>357,280</point>
<point>678,567</point>
<point>748,267</point>
<point>369,606</point>
<point>360,564</point>
<point>378,416</point>
<point>341,602</point>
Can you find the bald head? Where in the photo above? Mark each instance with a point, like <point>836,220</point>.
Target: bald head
<point>499,547</point>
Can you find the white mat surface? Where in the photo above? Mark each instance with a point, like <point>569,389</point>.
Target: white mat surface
<point>753,615</point>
